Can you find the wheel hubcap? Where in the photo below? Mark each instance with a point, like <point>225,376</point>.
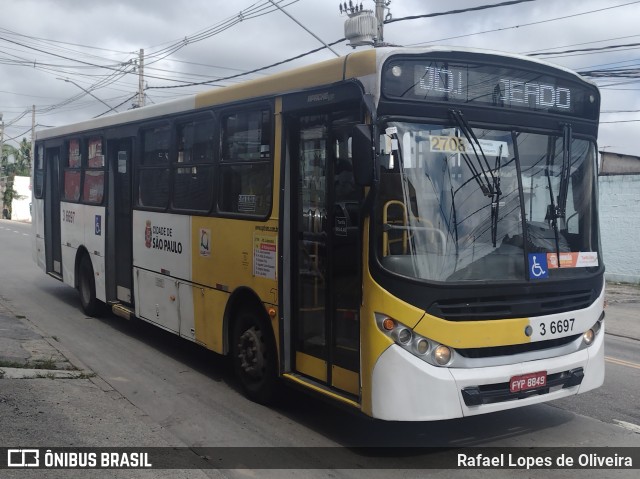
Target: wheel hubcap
<point>251,352</point>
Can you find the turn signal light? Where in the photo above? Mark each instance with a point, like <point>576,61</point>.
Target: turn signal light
<point>388,324</point>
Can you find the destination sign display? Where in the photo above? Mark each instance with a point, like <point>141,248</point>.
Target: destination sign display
<point>488,85</point>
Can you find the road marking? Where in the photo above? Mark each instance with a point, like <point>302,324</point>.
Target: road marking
<point>628,425</point>
<point>621,362</point>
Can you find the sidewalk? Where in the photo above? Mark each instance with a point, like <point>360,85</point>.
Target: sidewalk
<point>48,398</point>
<point>622,314</point>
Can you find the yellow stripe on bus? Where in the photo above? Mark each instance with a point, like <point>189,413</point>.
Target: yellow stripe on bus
<point>320,74</point>
<point>474,334</point>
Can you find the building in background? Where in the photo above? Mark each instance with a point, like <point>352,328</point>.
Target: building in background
<point>619,187</point>
<point>20,206</point>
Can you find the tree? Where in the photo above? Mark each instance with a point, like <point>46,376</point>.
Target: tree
<point>20,166</point>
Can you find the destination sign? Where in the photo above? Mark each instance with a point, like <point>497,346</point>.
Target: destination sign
<point>489,85</point>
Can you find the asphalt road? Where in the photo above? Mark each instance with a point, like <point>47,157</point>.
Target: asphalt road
<point>192,395</point>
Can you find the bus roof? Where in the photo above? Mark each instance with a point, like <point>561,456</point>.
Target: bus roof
<point>353,65</point>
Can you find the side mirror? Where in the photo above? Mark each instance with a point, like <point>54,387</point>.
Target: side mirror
<point>362,155</point>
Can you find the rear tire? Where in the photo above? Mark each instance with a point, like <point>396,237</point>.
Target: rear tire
<point>87,287</point>
<point>254,357</point>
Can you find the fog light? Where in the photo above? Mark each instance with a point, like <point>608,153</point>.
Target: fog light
<point>442,355</point>
<point>588,337</point>
<point>396,70</point>
<point>422,346</point>
<point>404,335</point>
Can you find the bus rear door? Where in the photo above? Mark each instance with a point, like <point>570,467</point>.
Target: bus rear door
<point>52,227</point>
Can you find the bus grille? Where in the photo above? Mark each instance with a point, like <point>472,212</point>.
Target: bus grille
<point>509,350</point>
<point>503,307</point>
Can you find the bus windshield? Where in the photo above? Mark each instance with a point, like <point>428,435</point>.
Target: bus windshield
<point>468,204</point>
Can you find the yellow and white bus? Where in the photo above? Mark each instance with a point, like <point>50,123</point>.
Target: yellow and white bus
<point>410,232</point>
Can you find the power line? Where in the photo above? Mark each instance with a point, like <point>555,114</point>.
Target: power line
<point>526,24</point>
<point>593,49</point>
<point>620,121</point>
<point>453,12</point>
<point>619,111</point>
<point>251,71</point>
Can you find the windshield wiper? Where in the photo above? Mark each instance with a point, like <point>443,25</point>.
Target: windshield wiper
<point>489,187</point>
<point>552,211</point>
<point>495,200</point>
<point>566,171</point>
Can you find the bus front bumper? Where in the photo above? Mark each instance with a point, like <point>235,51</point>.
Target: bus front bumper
<point>406,388</point>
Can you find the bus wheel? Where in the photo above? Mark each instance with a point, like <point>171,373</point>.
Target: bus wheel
<point>87,287</point>
<point>254,357</point>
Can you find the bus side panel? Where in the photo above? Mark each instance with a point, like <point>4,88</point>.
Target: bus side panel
<point>157,299</point>
<point>81,226</point>
<point>209,318</point>
<point>71,236</point>
<point>162,271</point>
<point>162,243</point>
<point>229,254</point>
<point>37,208</point>
<point>94,219</point>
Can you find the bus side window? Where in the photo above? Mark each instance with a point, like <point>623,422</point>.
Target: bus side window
<point>38,176</point>
<point>93,173</point>
<point>193,171</point>
<point>73,171</point>
<point>153,175</point>
<point>246,164</point>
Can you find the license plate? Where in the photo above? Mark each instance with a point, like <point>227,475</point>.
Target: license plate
<point>528,381</point>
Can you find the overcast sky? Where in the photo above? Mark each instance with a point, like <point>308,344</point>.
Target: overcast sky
<point>94,44</point>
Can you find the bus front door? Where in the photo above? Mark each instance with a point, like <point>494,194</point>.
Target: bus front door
<point>326,255</point>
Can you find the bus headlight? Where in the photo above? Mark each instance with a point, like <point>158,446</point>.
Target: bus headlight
<point>426,349</point>
<point>588,337</point>
<point>404,335</point>
<point>442,355</point>
<point>422,346</point>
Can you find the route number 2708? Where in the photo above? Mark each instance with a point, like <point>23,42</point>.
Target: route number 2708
<point>557,327</point>
<point>447,144</point>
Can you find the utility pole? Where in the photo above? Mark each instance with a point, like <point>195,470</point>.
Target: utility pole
<point>141,78</point>
<point>1,135</point>
<point>33,136</point>
<point>380,5</point>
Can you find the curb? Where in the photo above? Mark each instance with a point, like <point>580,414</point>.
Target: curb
<point>79,367</point>
<point>26,373</point>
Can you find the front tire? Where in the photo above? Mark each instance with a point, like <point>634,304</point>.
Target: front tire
<point>254,357</point>
<point>87,287</point>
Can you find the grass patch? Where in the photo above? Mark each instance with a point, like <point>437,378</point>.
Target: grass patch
<point>37,364</point>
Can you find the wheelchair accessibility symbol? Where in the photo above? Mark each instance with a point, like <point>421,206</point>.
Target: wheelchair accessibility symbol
<point>538,268</point>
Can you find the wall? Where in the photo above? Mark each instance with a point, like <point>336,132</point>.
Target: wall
<point>20,205</point>
<point>618,164</point>
<point>620,226</point>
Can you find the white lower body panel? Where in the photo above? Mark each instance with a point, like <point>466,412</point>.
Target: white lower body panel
<point>406,388</point>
